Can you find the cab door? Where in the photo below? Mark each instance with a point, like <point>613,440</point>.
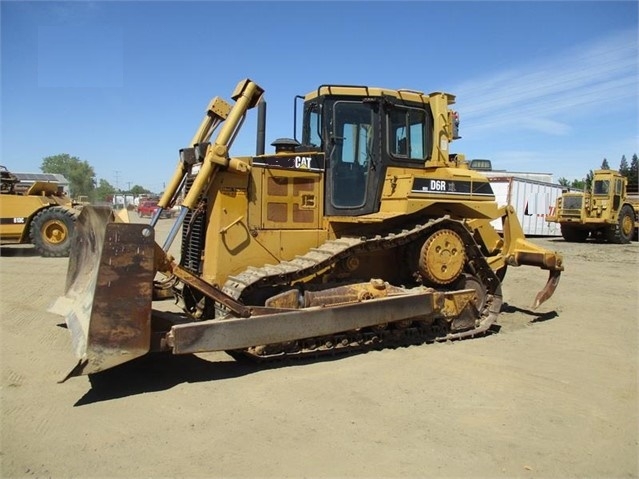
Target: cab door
<point>353,154</point>
<point>617,194</point>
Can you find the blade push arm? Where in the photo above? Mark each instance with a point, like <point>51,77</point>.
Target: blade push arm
<point>217,111</point>
<point>247,94</point>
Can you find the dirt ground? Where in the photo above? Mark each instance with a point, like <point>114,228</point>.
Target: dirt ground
<point>552,395</point>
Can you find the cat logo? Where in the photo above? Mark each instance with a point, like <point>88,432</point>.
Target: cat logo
<point>303,162</point>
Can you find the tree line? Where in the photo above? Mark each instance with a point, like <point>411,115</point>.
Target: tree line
<point>630,171</point>
<point>82,180</point>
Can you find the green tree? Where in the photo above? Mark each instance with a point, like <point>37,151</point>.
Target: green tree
<point>578,184</point>
<point>586,183</point>
<point>139,190</point>
<point>633,174</point>
<point>104,190</point>
<point>80,174</point>
<point>605,165</point>
<point>624,169</point>
<point>563,181</point>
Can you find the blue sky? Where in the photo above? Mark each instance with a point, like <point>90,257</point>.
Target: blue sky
<point>541,86</point>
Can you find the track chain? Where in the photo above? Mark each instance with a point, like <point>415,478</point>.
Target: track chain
<point>328,255</point>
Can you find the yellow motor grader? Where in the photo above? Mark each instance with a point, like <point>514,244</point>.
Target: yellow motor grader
<point>367,233</point>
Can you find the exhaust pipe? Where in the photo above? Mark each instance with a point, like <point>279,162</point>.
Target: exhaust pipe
<point>260,146</point>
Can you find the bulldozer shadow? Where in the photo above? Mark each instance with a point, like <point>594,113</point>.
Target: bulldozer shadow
<point>162,371</point>
<point>159,372</point>
<point>18,251</point>
<point>536,317</point>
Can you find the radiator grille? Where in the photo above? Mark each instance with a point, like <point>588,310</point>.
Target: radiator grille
<point>572,202</point>
<point>193,235</point>
<point>571,206</point>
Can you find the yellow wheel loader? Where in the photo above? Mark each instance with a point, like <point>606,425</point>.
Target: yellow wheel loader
<point>39,214</point>
<point>367,233</point>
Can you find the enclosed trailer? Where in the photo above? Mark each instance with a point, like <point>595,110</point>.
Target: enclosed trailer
<point>533,201</point>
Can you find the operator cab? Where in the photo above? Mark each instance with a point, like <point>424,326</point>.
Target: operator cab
<point>362,131</point>
<point>607,184</point>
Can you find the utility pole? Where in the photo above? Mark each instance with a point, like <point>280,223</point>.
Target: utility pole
<point>117,180</point>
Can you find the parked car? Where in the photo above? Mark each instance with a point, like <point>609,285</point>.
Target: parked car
<point>147,208</point>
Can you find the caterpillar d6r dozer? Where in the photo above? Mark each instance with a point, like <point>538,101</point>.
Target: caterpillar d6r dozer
<point>368,233</point>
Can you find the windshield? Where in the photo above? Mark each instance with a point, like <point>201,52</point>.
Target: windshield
<point>602,187</point>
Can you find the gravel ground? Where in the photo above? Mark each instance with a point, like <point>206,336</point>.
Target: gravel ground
<point>552,395</point>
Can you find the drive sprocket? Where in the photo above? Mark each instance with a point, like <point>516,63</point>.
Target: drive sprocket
<point>442,257</point>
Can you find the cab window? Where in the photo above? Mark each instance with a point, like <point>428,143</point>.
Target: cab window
<point>313,136</point>
<point>406,133</point>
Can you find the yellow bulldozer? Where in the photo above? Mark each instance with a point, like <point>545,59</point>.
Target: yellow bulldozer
<point>39,214</point>
<point>367,233</point>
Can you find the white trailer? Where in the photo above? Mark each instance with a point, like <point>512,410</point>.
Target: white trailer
<point>532,200</point>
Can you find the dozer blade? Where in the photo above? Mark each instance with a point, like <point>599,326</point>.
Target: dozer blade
<point>108,294</point>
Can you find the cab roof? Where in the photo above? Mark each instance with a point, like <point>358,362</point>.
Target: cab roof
<point>376,92</point>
